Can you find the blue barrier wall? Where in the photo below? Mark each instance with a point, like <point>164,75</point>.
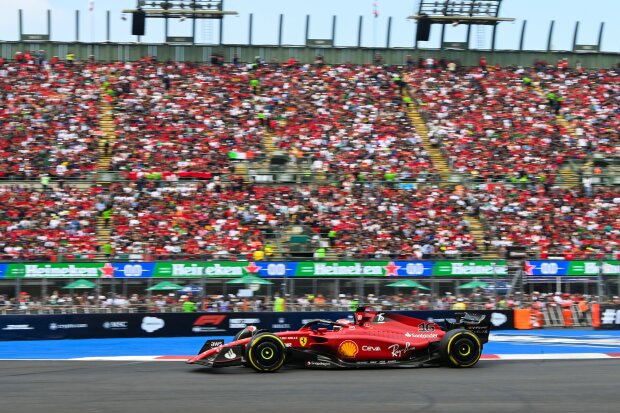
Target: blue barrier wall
<point>76,326</point>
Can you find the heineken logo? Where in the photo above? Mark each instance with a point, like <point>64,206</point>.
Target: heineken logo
<point>70,270</point>
<point>354,269</point>
<point>471,268</point>
<point>184,270</point>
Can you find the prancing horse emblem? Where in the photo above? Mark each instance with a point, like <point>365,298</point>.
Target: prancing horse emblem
<point>303,341</point>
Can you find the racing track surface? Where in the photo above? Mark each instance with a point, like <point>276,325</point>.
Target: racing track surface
<point>172,386</point>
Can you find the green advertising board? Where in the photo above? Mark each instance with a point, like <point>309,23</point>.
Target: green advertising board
<point>592,268</point>
<point>57,270</point>
<point>470,268</point>
<point>341,269</point>
<point>221,269</point>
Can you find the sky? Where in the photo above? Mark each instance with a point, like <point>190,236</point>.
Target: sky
<point>537,13</point>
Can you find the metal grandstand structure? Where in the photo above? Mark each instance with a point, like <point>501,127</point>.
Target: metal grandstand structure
<point>467,12</point>
<point>183,9</point>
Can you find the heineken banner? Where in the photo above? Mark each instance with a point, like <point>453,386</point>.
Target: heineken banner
<point>571,268</point>
<point>234,269</point>
<point>470,268</point>
<point>367,269</point>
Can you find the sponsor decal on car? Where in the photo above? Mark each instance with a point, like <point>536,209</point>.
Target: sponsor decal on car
<point>398,351</point>
<point>421,335</point>
<point>215,343</point>
<point>303,341</point>
<point>348,348</point>
<point>230,354</point>
<point>116,325</point>
<point>426,327</point>
<point>206,323</point>
<point>13,327</point>
<point>318,364</point>
<point>371,348</point>
<point>55,326</point>
<point>242,322</point>
<point>152,324</point>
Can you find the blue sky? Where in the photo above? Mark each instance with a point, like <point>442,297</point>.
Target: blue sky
<point>538,14</point>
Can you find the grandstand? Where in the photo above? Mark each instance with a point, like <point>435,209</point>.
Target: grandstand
<point>223,156</point>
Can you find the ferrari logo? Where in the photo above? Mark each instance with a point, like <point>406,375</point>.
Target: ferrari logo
<point>303,341</point>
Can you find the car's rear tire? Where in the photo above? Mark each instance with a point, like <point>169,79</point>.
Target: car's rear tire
<point>265,353</point>
<point>460,348</point>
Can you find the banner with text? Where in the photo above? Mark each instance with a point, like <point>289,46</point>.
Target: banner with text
<point>571,268</point>
<point>277,269</point>
<point>470,268</point>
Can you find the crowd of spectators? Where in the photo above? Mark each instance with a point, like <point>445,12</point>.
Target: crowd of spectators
<point>348,121</point>
<point>590,101</point>
<point>478,299</point>
<point>561,223</point>
<point>42,224</point>
<point>233,220</point>
<point>48,118</point>
<point>493,124</point>
<point>188,119</point>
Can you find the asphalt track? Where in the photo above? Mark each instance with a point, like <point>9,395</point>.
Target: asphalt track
<point>173,386</point>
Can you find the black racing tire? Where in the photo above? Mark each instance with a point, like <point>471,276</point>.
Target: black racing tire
<point>265,353</point>
<point>460,348</point>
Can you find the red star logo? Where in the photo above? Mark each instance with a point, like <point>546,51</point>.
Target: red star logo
<point>253,268</point>
<point>107,271</point>
<point>529,268</point>
<point>391,269</point>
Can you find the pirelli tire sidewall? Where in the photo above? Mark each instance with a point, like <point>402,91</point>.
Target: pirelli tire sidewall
<point>265,353</point>
<point>460,348</point>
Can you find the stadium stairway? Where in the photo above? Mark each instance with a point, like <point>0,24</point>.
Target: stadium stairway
<point>476,228</point>
<point>106,124</point>
<point>435,154</point>
<point>568,177</point>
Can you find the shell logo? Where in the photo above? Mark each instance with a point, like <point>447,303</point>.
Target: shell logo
<point>348,348</point>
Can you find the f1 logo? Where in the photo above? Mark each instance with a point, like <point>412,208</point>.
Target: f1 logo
<point>209,319</point>
<point>303,341</point>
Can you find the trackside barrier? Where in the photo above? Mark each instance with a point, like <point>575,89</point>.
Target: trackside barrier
<point>77,326</point>
<point>609,317</point>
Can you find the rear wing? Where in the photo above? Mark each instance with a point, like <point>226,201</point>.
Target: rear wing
<point>479,324</point>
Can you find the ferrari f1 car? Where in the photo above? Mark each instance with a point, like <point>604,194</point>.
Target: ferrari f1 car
<point>373,339</point>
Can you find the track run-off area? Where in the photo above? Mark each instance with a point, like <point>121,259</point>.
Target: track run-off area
<point>522,371</point>
<point>503,345</point>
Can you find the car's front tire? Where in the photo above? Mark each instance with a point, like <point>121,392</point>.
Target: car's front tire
<point>460,348</point>
<point>265,353</point>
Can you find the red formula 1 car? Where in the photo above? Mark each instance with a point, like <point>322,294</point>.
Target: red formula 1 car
<point>375,339</point>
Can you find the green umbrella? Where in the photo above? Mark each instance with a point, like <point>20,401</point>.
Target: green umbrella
<point>474,284</point>
<point>165,286</point>
<point>249,279</point>
<point>80,284</point>
<point>408,283</point>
